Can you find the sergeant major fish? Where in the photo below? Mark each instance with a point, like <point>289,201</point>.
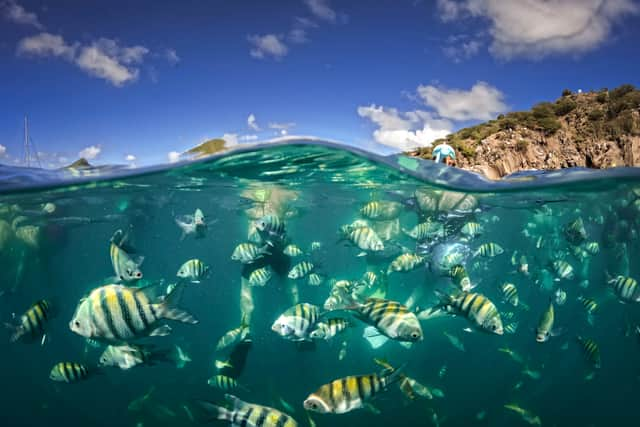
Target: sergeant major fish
<point>405,262</point>
<point>68,372</point>
<point>460,277</point>
<point>329,329</point>
<point>489,250</point>
<point>193,270</point>
<point>248,414</point>
<point>475,307</point>
<point>297,322</point>
<point>33,322</point>
<point>545,325</point>
<point>381,210</point>
<point>391,318</point>
<point>300,270</point>
<point>233,336</point>
<point>118,313</point>
<point>126,268</point>
<point>247,253</point>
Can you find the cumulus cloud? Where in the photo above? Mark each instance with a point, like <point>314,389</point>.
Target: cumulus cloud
<point>46,44</point>
<point>269,45</point>
<point>130,158</point>
<point>252,123</point>
<point>172,56</point>
<point>17,14</point>
<point>321,9</point>
<point>90,152</point>
<point>462,47</point>
<point>404,130</point>
<point>3,150</point>
<point>537,28</point>
<point>173,156</point>
<point>103,58</point>
<point>481,102</point>
<point>230,139</point>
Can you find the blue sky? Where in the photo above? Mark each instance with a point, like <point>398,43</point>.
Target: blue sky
<point>139,80</point>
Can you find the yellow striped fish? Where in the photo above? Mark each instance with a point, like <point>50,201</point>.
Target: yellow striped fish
<point>391,318</point>
<point>346,394</point>
<point>405,262</point>
<point>460,277</point>
<point>366,239</point>
<point>545,325</point>
<point>248,253</point>
<point>381,210</point>
<point>297,322</point>
<point>260,276</point>
<point>248,414</point>
<point>591,306</point>
<point>475,307</point>
<point>471,229</point>
<point>592,247</point>
<point>591,351</point>
<point>563,269</point>
<point>33,322</point>
<point>510,293</point>
<point>118,313</point>
<point>223,382</point>
<point>329,329</point>
<point>625,288</point>
<point>425,230</point>
<point>234,336</point>
<point>315,279</point>
<point>575,231</point>
<point>193,270</point>
<point>68,372</point>
<point>300,270</point>
<point>489,250</point>
<point>125,267</point>
<point>292,250</point>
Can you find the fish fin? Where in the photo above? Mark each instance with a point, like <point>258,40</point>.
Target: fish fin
<point>17,331</point>
<point>393,376</point>
<point>214,412</point>
<point>161,331</point>
<point>235,401</point>
<point>173,313</point>
<point>195,281</point>
<point>591,319</point>
<point>405,344</point>
<point>558,331</point>
<point>374,337</point>
<point>361,254</point>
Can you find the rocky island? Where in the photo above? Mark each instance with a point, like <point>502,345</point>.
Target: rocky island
<point>597,129</point>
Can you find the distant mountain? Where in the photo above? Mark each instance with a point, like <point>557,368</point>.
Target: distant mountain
<point>81,163</point>
<point>207,148</point>
<point>593,129</point>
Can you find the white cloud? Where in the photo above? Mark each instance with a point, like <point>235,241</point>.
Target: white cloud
<point>404,130</point>
<point>130,158</point>
<point>46,44</point>
<point>90,152</point>
<point>172,56</point>
<point>252,123</point>
<point>173,156</point>
<point>459,50</point>
<point>281,126</point>
<point>17,14</point>
<point>230,139</point>
<point>482,102</point>
<point>103,58</point>
<point>267,45</point>
<point>321,9</point>
<point>537,28</point>
<point>248,138</point>
<point>3,150</point>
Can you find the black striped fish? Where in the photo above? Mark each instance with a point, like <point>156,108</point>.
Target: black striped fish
<point>591,351</point>
<point>33,322</point>
<point>366,239</point>
<point>510,293</point>
<point>475,307</point>
<point>193,270</point>
<point>575,232</point>
<point>297,322</point>
<point>127,268</point>
<point>68,372</point>
<point>391,318</point>
<point>223,382</point>
<point>626,288</point>
<point>117,313</point>
<point>460,277</point>
<point>381,210</point>
<point>425,230</point>
<point>260,276</point>
<point>346,394</point>
<point>405,262</point>
<point>245,414</point>
<point>489,250</point>
<point>329,329</point>
<point>300,270</point>
<point>271,225</point>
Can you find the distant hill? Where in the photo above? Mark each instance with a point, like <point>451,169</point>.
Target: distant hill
<point>207,148</point>
<point>592,129</point>
<point>81,163</point>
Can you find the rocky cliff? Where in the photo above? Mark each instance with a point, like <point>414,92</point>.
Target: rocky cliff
<point>595,130</point>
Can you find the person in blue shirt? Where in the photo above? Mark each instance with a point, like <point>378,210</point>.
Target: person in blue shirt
<point>444,153</point>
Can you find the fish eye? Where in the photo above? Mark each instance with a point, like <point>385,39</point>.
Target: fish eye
<point>76,324</point>
<point>414,335</point>
<point>493,327</point>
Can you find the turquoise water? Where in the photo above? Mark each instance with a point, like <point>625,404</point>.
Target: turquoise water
<point>55,231</point>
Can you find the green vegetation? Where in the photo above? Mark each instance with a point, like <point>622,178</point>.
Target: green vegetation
<point>209,147</point>
<point>582,116</point>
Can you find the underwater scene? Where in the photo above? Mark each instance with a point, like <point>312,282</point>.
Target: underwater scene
<point>312,284</point>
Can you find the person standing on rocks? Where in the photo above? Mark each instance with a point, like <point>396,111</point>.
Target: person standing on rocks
<point>444,153</point>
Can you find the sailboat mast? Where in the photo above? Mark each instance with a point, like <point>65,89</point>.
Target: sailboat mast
<point>27,156</point>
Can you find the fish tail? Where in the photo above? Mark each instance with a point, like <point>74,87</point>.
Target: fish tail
<point>118,237</point>
<point>169,311</point>
<point>445,298</point>
<point>215,412</point>
<point>393,376</point>
<point>17,331</point>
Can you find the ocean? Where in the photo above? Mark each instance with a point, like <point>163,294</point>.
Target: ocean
<point>55,233</point>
